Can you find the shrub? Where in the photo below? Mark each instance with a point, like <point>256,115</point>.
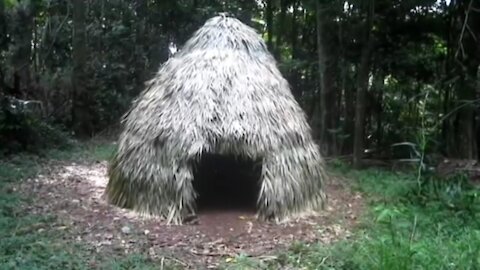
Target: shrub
<point>22,130</point>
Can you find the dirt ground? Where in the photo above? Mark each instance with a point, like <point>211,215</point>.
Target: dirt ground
<point>73,193</point>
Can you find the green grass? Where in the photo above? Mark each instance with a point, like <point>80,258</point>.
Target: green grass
<point>91,151</point>
<point>31,241</point>
<point>428,224</point>
<point>25,241</point>
<point>410,224</point>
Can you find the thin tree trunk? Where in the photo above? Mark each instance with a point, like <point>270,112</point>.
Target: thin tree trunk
<point>297,91</point>
<point>348,94</point>
<point>333,111</point>
<point>313,102</point>
<point>466,137</point>
<point>349,116</point>
<point>269,18</point>
<point>321,133</point>
<point>35,45</point>
<point>247,9</point>
<point>280,28</point>
<point>380,85</point>
<point>3,25</point>
<point>363,72</point>
<point>448,130</point>
<point>478,110</point>
<point>81,115</point>
<point>327,71</point>
<point>23,35</point>
<point>330,96</point>
<point>141,41</point>
<point>468,60</point>
<point>3,46</point>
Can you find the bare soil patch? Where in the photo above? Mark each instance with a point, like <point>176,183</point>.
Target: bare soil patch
<point>73,192</point>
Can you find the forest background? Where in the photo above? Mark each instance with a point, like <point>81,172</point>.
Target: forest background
<point>384,79</point>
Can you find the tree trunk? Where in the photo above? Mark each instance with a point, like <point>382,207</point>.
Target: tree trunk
<point>330,96</point>
<point>297,91</point>
<point>3,34</point>
<point>81,113</point>
<point>362,77</point>
<point>314,102</point>
<point>468,60</point>
<point>478,111</point>
<point>327,71</point>
<point>3,46</point>
<point>269,19</point>
<point>349,93</point>
<point>23,34</point>
<point>321,77</point>
<point>379,89</point>
<point>280,28</point>
<point>332,110</point>
<point>141,41</point>
<point>246,13</point>
<point>349,97</point>
<point>466,138</point>
<point>448,124</point>
<point>3,25</point>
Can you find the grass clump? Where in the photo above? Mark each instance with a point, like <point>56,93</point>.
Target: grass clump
<point>411,223</point>
<point>427,223</point>
<point>26,241</point>
<point>29,241</point>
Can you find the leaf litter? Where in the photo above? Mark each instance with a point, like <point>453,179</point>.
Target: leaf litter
<point>73,192</point>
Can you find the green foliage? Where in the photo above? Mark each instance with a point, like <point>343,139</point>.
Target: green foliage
<point>436,228</point>
<point>25,240</point>
<point>127,41</point>
<point>20,131</point>
<point>88,151</point>
<point>432,226</point>
<point>18,167</point>
<point>418,221</point>
<point>103,151</point>
<point>30,241</point>
<point>140,262</point>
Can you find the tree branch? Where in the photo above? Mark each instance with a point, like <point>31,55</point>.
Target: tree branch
<point>462,33</point>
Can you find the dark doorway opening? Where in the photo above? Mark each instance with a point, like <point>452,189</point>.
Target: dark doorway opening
<point>226,183</point>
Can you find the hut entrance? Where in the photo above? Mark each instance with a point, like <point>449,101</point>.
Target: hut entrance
<point>226,183</point>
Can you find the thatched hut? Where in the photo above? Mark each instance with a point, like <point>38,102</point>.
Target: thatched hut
<point>219,101</point>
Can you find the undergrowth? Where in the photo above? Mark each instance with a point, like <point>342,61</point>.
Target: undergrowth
<point>22,131</point>
<point>29,241</point>
<point>434,225</point>
<point>411,223</point>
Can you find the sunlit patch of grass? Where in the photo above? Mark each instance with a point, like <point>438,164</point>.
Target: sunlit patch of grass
<point>101,152</point>
<point>91,151</point>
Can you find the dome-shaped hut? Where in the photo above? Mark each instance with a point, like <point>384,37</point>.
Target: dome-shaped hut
<point>219,101</point>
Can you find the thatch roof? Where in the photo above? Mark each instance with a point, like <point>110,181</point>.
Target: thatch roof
<point>221,93</point>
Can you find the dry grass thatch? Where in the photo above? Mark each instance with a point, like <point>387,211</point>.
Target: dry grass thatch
<point>222,93</point>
